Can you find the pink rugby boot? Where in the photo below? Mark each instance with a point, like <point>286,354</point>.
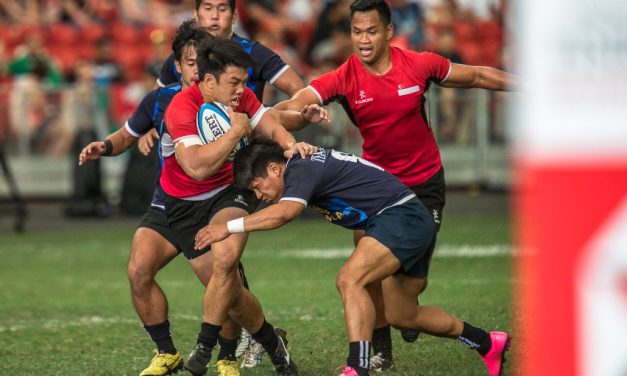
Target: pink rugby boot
<point>495,358</point>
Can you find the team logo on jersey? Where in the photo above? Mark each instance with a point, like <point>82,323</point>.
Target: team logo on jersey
<point>363,98</point>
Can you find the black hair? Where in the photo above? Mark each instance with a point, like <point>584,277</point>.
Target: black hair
<point>367,5</point>
<point>231,4</point>
<point>215,54</point>
<point>252,161</point>
<point>187,35</point>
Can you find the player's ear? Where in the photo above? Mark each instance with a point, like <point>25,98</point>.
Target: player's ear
<point>274,169</point>
<point>177,64</point>
<point>389,31</point>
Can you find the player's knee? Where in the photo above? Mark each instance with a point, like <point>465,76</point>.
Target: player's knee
<point>226,263</point>
<point>140,273</point>
<point>345,281</point>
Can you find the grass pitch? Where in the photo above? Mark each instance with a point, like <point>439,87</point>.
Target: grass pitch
<point>65,306</point>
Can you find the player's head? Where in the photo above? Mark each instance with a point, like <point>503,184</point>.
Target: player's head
<point>185,43</point>
<point>259,167</point>
<point>371,30</point>
<point>223,69</point>
<point>216,16</point>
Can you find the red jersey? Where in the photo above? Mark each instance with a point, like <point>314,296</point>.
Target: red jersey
<point>180,122</point>
<point>389,110</point>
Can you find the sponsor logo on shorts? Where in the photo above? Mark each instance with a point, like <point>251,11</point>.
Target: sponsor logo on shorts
<point>436,216</point>
<point>240,200</point>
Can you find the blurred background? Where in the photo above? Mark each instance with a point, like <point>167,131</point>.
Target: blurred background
<point>72,71</point>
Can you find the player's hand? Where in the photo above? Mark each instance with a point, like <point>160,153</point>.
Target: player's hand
<point>92,151</point>
<point>210,234</point>
<point>302,148</point>
<point>313,113</point>
<point>147,141</point>
<point>240,123</point>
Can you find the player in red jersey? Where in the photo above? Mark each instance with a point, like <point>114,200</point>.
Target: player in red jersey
<point>382,89</point>
<point>197,181</point>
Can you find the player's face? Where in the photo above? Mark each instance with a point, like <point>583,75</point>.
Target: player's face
<point>230,87</point>
<point>269,189</point>
<point>216,17</point>
<point>370,37</point>
<point>187,67</point>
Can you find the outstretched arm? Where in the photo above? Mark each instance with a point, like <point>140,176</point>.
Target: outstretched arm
<point>119,141</point>
<point>302,98</point>
<point>266,219</point>
<point>470,76</point>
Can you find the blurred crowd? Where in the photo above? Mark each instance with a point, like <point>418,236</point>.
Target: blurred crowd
<point>66,60</point>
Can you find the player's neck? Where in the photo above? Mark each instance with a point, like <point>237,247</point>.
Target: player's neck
<point>381,66</point>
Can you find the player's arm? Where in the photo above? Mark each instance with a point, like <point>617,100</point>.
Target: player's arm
<point>201,161</point>
<point>269,126</point>
<point>289,82</point>
<point>266,219</point>
<point>302,98</point>
<point>470,76</point>
<point>115,144</point>
<point>309,114</point>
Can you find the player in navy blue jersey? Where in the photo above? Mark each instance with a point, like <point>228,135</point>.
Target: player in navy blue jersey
<point>395,250</point>
<point>154,244</point>
<point>218,18</point>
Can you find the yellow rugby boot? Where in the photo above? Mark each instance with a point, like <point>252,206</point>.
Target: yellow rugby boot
<point>227,368</point>
<point>163,364</point>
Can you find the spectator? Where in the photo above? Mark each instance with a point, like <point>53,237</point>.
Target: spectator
<point>407,21</point>
<point>33,72</point>
<point>453,108</point>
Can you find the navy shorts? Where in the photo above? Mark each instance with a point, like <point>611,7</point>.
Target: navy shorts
<point>187,217</point>
<point>155,219</point>
<point>409,232</point>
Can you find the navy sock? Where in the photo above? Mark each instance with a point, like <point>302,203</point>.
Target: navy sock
<point>382,341</point>
<point>161,336</point>
<point>227,348</point>
<point>267,338</point>
<point>476,339</point>
<point>208,335</point>
<point>359,357</point>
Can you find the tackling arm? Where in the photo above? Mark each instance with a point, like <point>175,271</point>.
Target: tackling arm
<point>266,219</point>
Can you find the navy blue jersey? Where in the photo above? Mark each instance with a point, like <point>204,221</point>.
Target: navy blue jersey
<point>346,189</point>
<point>149,115</point>
<point>269,66</point>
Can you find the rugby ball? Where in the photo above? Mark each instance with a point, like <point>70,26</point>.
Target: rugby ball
<point>213,122</point>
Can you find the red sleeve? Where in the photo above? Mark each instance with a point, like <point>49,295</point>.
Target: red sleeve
<point>330,84</point>
<point>180,118</point>
<point>248,103</point>
<point>432,66</point>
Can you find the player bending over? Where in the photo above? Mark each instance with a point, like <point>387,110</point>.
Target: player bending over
<point>398,242</point>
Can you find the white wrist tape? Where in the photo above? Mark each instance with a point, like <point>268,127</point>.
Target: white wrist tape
<point>236,225</point>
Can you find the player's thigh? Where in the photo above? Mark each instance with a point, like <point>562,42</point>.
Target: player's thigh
<point>150,252</point>
<point>370,262</point>
<point>399,295</point>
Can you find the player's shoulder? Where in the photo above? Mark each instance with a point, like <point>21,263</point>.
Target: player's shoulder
<point>247,44</point>
<point>415,56</point>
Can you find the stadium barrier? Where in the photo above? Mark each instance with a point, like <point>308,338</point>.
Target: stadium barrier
<point>36,134</point>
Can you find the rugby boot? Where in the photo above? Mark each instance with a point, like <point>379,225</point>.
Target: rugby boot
<point>283,363</point>
<point>227,368</point>
<point>347,371</point>
<point>163,364</point>
<point>495,358</point>
<point>198,361</point>
<point>380,362</point>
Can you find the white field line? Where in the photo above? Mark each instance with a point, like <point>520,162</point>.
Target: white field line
<point>55,324</point>
<point>442,251</point>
